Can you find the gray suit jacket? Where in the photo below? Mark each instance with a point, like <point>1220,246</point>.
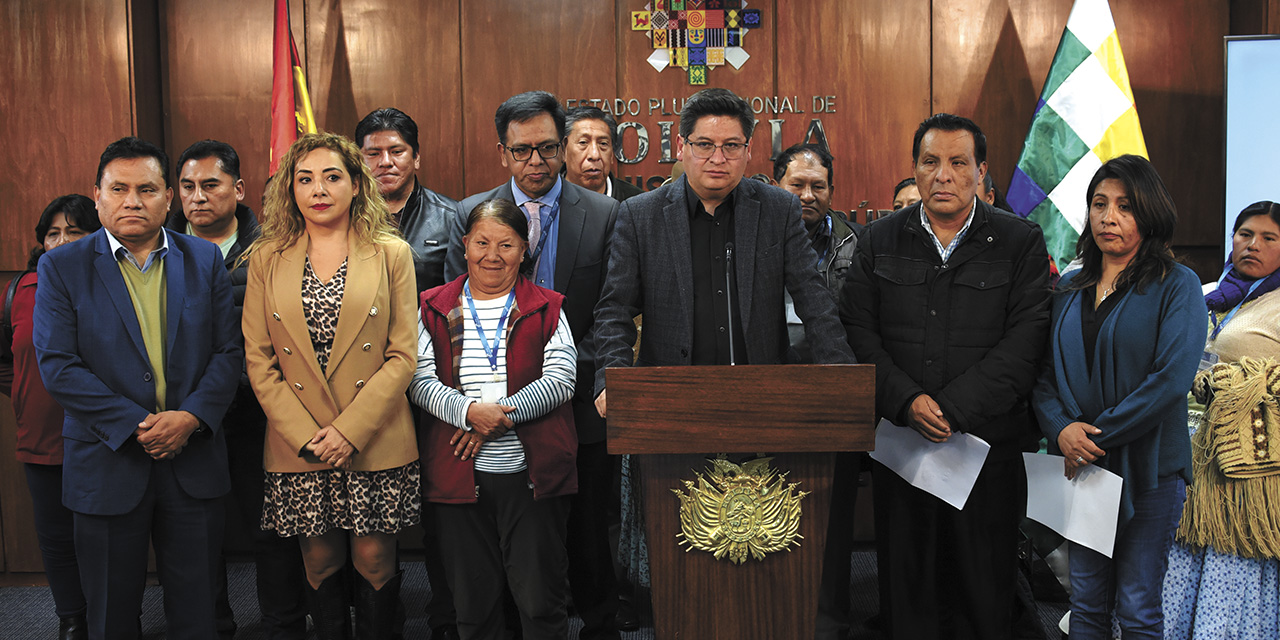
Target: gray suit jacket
<point>586,224</point>
<point>650,272</point>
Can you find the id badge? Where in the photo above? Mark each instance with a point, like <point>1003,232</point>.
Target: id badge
<point>1207,360</point>
<point>493,391</point>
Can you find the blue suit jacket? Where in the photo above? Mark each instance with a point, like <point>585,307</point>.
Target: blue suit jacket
<point>94,363</point>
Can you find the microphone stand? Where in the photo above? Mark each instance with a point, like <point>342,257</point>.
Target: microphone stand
<point>728,296</point>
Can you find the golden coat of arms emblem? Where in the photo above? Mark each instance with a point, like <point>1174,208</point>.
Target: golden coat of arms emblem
<point>739,510</point>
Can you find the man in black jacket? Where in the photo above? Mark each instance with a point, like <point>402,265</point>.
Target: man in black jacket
<point>389,140</point>
<point>949,299</point>
<point>211,191</point>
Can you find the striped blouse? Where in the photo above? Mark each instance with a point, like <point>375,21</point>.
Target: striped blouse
<point>555,387</point>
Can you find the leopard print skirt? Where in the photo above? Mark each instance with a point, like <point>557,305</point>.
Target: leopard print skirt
<point>362,502</point>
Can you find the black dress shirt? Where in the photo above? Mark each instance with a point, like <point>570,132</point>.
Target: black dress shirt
<point>1091,319</point>
<point>708,236</point>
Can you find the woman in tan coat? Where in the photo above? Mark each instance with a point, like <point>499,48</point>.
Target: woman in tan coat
<point>329,319</point>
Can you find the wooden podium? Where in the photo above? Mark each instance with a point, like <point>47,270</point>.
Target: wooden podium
<point>674,419</point>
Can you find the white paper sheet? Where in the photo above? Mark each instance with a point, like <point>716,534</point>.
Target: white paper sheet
<point>1083,510</point>
<point>946,470</point>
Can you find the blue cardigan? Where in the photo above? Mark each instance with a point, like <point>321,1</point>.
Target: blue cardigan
<point>1146,357</point>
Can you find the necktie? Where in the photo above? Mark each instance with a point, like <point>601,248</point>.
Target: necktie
<point>535,222</point>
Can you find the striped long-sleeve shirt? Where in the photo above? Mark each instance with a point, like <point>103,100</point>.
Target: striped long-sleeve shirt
<point>555,387</point>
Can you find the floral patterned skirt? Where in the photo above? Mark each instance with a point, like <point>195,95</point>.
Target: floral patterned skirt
<point>362,502</point>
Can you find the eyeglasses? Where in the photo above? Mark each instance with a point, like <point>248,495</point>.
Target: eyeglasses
<point>523,152</point>
<point>703,149</point>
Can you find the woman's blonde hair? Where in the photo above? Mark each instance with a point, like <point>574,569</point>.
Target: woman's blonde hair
<point>282,221</point>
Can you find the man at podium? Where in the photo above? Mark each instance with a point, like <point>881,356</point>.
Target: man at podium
<point>706,260</point>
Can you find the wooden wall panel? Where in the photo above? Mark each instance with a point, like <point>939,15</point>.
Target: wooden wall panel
<point>863,54</point>
<point>219,86</point>
<point>64,93</point>
<point>368,54</point>
<point>1178,92</point>
<point>562,46</point>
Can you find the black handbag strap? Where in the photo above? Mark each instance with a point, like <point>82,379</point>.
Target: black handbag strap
<point>6,322</point>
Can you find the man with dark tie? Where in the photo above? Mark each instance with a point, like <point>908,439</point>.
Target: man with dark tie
<point>569,240</point>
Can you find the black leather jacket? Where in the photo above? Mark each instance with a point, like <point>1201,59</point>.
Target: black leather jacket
<point>424,223</point>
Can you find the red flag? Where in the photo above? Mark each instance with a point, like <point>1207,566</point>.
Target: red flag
<point>290,104</point>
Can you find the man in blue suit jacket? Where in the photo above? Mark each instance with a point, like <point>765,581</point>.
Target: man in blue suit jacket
<point>136,337</point>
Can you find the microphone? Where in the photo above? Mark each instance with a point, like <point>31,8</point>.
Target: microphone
<point>728,296</point>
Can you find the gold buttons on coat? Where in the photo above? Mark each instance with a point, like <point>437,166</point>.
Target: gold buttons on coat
<point>367,346</point>
<point>288,351</point>
<point>298,386</point>
<point>373,311</point>
<point>359,383</point>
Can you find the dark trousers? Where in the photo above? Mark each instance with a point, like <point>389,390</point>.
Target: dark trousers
<point>506,537</point>
<point>440,613</point>
<point>833,594</point>
<point>112,550</point>
<point>277,562</point>
<point>591,578</point>
<point>55,526</point>
<point>947,573</point>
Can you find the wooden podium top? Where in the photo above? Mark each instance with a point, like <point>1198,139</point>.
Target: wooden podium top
<point>741,409</point>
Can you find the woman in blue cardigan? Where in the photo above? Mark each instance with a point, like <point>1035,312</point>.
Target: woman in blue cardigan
<point>1126,339</point>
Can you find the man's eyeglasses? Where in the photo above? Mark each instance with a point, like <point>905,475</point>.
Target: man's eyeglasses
<point>524,152</point>
<point>703,149</point>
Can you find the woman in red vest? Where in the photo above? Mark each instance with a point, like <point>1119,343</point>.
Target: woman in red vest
<point>496,370</point>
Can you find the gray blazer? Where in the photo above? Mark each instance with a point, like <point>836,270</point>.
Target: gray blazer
<point>651,273</point>
<point>586,224</point>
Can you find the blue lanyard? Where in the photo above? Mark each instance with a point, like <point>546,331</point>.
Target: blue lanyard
<point>475,317</point>
<point>546,230</point>
<point>1219,324</point>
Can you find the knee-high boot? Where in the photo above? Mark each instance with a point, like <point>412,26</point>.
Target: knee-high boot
<point>328,607</point>
<point>376,608</point>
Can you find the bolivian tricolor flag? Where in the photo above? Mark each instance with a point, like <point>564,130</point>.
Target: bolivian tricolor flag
<point>290,104</point>
<point>1085,116</point>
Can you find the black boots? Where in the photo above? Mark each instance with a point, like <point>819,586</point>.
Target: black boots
<point>328,606</point>
<point>376,608</point>
<point>73,628</point>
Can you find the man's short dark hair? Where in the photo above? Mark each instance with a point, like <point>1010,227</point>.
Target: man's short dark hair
<point>388,119</point>
<point>948,122</point>
<point>902,185</point>
<point>131,147</point>
<point>578,114</point>
<point>526,106</point>
<point>716,102</point>
<point>784,160</point>
<point>227,157</point>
